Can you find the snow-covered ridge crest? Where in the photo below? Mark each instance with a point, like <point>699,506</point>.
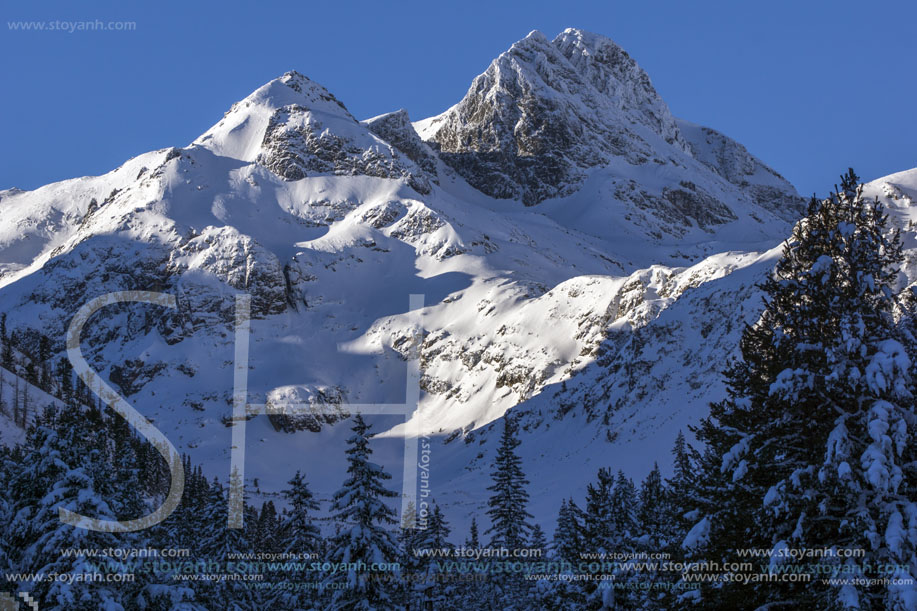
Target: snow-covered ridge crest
<point>240,133</point>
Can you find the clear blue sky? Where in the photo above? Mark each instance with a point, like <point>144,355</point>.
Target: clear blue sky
<point>809,86</point>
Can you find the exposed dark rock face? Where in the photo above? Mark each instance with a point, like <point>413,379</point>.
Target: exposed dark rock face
<point>317,406</point>
<point>296,144</point>
<point>545,111</point>
<point>733,162</point>
<point>704,209</point>
<point>396,129</point>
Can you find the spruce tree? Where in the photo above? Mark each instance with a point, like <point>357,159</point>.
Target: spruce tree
<point>266,528</point>
<point>568,546</point>
<point>653,514</point>
<point>59,469</point>
<point>473,541</point>
<point>436,535</point>
<point>623,511</point>
<point>298,530</point>
<point>217,544</point>
<point>807,449</point>
<point>508,514</point>
<point>682,487</point>
<point>568,536</point>
<point>539,542</point>
<point>363,517</point>
<point>297,533</point>
<point>598,525</point>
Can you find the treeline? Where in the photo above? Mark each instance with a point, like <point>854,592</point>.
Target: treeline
<point>27,360</point>
<point>357,554</point>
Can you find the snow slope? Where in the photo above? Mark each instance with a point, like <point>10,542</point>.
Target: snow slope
<point>581,252</point>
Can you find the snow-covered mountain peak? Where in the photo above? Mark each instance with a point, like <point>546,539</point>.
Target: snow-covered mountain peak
<point>296,128</point>
<point>296,89</point>
<point>544,112</point>
<point>533,37</point>
<point>613,73</point>
<point>242,131</point>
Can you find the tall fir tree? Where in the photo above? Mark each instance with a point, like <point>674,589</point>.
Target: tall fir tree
<point>683,502</point>
<point>298,530</point>
<point>436,589</point>
<point>473,541</point>
<point>218,543</point>
<point>360,511</point>
<point>539,541</point>
<point>598,521</point>
<point>623,511</point>
<point>437,532</point>
<point>509,516</point>
<point>808,449</point>
<point>653,516</point>
<point>568,536</point>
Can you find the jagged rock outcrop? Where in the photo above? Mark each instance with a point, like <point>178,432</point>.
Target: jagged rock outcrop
<point>396,129</point>
<point>546,111</point>
<point>546,114</point>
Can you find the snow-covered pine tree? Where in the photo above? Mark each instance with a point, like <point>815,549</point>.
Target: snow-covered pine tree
<point>435,589</point>
<point>539,541</point>
<point>568,536</point>
<point>363,517</point>
<point>437,533</point>
<point>508,512</point>
<point>599,534</point>
<point>509,516</point>
<point>907,326</point>
<point>217,544</point>
<point>57,469</point>
<point>598,526</point>
<point>410,539</point>
<point>807,449</point>
<point>623,511</point>
<point>298,530</point>
<point>473,540</point>
<point>266,528</point>
<point>653,514</point>
<point>682,488</point>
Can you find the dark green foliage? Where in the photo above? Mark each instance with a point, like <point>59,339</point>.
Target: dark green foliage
<point>806,449</point>
<point>509,517</point>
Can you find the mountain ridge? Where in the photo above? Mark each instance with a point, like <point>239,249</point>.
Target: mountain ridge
<point>329,223</point>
